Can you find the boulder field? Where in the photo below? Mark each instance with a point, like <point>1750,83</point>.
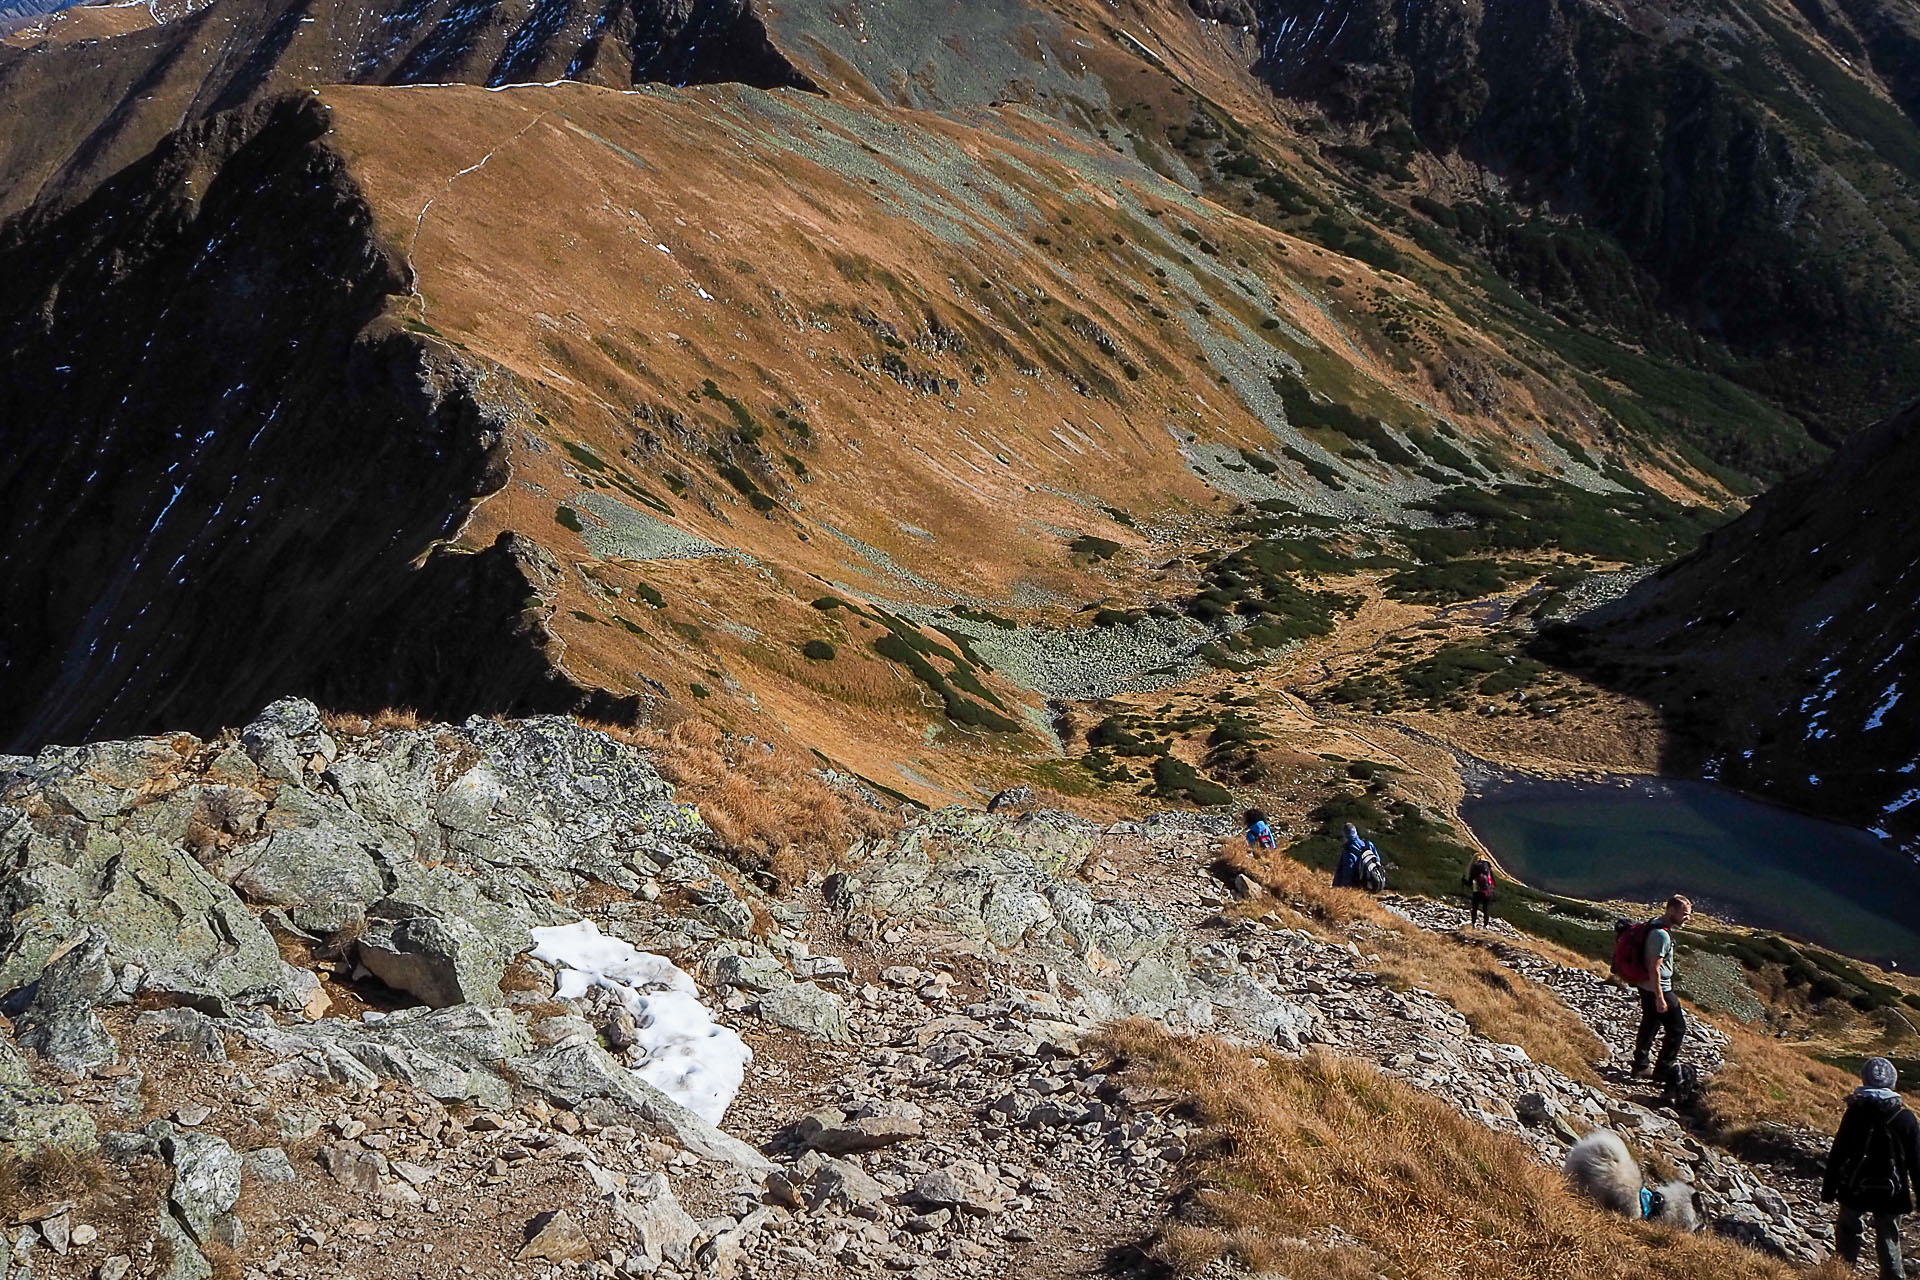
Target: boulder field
<point>281,988</point>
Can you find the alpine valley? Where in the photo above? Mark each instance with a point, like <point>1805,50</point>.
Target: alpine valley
<point>489,485</point>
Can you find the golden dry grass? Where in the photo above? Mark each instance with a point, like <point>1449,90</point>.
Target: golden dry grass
<point>353,724</point>
<point>1495,1001</point>
<point>768,806</point>
<point>1322,1168</point>
<point>584,346</point>
<point>51,1172</point>
<point>1766,1081</point>
<point>224,1263</point>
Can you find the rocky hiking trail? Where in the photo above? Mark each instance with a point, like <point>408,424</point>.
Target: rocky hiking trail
<point>282,985</point>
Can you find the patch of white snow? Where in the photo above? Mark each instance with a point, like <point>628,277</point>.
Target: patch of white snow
<point>1887,703</point>
<point>689,1057</point>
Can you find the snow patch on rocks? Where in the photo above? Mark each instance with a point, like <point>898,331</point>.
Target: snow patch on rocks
<point>688,1056</point>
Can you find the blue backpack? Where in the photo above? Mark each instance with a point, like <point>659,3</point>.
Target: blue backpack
<point>1368,872</point>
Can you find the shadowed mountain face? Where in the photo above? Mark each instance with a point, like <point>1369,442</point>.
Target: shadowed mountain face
<point>231,448</point>
<point>1783,652</point>
<point>1764,187</point>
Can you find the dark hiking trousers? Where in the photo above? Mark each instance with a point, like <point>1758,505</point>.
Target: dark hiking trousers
<point>1850,1231</point>
<point>1480,912</point>
<point>1652,1023</point>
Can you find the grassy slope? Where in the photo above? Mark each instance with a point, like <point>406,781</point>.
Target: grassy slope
<point>1324,1169</point>
<point>830,347</point>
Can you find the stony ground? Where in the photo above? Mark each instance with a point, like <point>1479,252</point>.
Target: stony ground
<point>926,1097</point>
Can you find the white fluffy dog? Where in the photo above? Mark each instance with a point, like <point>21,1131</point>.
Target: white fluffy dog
<point>1601,1168</point>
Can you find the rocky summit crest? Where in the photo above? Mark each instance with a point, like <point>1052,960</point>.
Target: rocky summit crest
<point>352,1057</point>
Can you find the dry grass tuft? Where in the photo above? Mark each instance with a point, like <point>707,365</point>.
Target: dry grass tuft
<point>1302,888</point>
<point>1324,1169</point>
<point>1495,1001</point>
<point>224,1263</point>
<point>50,1172</point>
<point>344,724</point>
<point>202,841</point>
<point>521,975</point>
<point>457,755</point>
<point>352,724</point>
<point>771,809</point>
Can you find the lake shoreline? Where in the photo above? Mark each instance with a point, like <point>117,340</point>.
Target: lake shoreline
<point>1613,837</point>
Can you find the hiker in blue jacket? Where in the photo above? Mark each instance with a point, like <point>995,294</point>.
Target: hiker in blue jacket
<point>1259,830</point>
<point>1352,854</point>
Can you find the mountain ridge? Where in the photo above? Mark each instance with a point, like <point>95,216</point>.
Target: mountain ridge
<point>1071,309</point>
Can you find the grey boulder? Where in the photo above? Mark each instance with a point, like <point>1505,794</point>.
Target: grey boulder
<point>32,1116</point>
<point>60,1024</point>
<point>804,1007</point>
<point>206,1185</point>
<point>320,852</point>
<point>442,961</point>
<point>184,930</point>
<point>960,1185</point>
<point>284,738</point>
<point>663,1231</point>
<point>573,1074</point>
<point>749,972</point>
<point>881,1125</point>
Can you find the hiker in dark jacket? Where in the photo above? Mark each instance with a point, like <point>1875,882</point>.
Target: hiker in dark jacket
<point>1479,882</point>
<point>1873,1167</point>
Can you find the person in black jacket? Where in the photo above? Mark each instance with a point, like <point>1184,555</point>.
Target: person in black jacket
<point>1873,1166</point>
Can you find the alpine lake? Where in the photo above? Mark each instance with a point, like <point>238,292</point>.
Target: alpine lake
<point>1642,839</point>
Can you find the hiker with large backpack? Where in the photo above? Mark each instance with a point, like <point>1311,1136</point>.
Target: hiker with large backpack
<point>1360,866</point>
<point>1479,882</point>
<point>1259,830</point>
<point>1873,1167</point>
<point>1643,957</point>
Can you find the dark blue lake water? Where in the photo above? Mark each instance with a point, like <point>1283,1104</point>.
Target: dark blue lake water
<point>1738,858</point>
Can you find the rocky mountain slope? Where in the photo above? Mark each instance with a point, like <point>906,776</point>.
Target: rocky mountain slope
<point>701,445</point>
<point>1781,652</point>
<point>402,1037</point>
<point>1708,157</point>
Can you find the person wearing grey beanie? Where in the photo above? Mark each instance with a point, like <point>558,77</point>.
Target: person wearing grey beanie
<point>1878,1073</point>
<point>1873,1167</point>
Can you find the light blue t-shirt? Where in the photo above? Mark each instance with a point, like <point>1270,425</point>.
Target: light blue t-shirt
<point>1659,958</point>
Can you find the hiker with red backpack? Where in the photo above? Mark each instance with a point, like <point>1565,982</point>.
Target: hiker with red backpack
<point>1479,882</point>
<point>1643,957</point>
